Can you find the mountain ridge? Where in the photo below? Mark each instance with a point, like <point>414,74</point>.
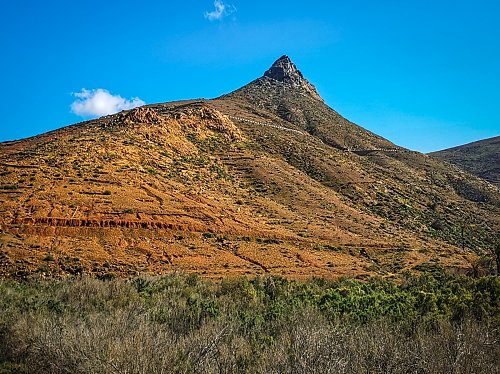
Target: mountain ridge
<point>481,158</point>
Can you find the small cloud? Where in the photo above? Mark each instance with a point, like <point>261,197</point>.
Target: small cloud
<point>221,10</point>
<point>99,102</point>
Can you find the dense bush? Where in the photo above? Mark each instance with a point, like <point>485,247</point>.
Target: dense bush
<point>181,323</point>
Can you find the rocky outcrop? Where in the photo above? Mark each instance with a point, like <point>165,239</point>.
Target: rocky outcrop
<point>141,115</point>
<point>284,70</point>
<point>106,223</point>
<point>205,120</point>
<point>200,119</point>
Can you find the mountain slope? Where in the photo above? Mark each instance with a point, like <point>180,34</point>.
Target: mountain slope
<point>481,158</point>
<point>265,179</point>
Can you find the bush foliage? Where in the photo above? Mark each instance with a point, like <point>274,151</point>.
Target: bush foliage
<point>181,323</point>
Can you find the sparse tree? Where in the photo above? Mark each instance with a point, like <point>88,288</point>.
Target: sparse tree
<point>496,255</point>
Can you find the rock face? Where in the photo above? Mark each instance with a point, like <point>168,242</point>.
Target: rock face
<point>284,70</point>
<point>141,115</point>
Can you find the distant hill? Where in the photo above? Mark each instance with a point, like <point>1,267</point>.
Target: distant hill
<point>266,179</point>
<point>481,158</point>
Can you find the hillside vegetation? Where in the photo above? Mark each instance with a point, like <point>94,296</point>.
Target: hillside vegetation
<point>183,324</point>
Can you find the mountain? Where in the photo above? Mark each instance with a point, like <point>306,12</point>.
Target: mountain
<point>481,158</point>
<point>267,178</point>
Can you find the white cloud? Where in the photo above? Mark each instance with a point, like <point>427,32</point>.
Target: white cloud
<point>99,102</point>
<point>221,10</point>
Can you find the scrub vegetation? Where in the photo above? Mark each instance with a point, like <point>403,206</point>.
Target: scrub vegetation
<point>185,324</point>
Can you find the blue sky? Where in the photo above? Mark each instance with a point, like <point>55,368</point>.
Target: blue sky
<point>424,74</point>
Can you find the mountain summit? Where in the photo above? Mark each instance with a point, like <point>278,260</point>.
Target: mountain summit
<point>284,70</point>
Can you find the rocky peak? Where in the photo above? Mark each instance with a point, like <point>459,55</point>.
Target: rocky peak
<point>284,70</point>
